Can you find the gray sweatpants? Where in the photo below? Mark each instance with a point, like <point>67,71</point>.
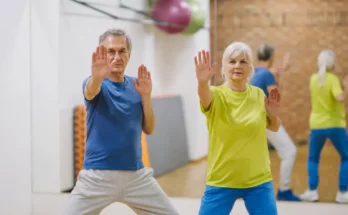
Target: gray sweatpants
<point>96,189</point>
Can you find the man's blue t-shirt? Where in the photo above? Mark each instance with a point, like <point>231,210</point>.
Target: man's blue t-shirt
<point>114,127</point>
<point>263,78</point>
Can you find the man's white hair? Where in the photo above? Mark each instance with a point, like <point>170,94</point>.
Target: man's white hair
<point>235,49</point>
<point>326,61</point>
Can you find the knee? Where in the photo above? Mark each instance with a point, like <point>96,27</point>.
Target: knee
<point>290,153</point>
<point>293,151</point>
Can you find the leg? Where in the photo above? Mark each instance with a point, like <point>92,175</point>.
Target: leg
<point>218,200</point>
<point>260,200</point>
<point>317,140</point>
<point>286,150</point>
<point>90,195</point>
<point>145,196</point>
<point>339,139</point>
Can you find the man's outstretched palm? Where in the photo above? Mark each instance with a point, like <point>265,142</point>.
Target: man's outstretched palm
<point>100,65</point>
<point>144,84</point>
<point>204,70</point>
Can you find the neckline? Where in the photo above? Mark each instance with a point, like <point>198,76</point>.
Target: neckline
<point>237,92</point>
<point>118,83</point>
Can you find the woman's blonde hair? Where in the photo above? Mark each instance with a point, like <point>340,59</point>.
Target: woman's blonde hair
<point>326,61</point>
<point>236,49</point>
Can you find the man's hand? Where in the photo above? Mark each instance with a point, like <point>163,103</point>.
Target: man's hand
<point>286,61</point>
<point>144,84</point>
<point>100,65</point>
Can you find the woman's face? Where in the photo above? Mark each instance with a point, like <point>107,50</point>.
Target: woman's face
<point>238,68</point>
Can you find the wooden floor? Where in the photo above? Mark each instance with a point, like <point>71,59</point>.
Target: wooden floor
<point>189,180</point>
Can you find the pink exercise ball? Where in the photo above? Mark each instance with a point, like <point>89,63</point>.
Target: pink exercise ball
<point>176,13</point>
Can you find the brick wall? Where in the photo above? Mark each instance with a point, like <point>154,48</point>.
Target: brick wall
<point>302,27</point>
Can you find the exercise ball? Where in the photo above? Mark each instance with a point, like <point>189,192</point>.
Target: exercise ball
<point>197,18</point>
<point>174,14</point>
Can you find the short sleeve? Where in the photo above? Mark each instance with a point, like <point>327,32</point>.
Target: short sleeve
<point>269,79</point>
<point>83,91</point>
<point>84,84</point>
<point>206,111</point>
<point>336,88</point>
<point>262,97</point>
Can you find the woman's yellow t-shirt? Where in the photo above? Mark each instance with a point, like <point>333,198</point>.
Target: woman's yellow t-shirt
<point>238,153</point>
<point>326,111</point>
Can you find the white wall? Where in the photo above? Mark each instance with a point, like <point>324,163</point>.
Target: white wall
<point>66,45</point>
<point>15,179</point>
<point>45,29</point>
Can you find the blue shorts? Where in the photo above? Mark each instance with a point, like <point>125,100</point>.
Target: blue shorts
<point>259,200</point>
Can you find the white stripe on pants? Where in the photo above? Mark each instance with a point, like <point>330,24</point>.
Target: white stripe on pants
<point>96,189</point>
<point>287,152</point>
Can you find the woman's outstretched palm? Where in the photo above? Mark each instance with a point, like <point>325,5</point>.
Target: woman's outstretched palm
<point>272,103</point>
<point>204,69</point>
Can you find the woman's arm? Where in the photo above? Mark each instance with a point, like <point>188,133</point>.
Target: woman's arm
<point>205,95</point>
<point>341,97</point>
<point>273,123</point>
<point>272,105</point>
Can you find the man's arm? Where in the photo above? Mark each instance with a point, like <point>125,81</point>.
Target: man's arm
<point>270,82</point>
<point>270,87</point>
<point>149,116</point>
<point>286,65</point>
<point>92,88</point>
<point>100,70</point>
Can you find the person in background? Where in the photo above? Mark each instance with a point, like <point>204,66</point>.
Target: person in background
<point>264,78</point>
<point>327,121</point>
<point>238,115</point>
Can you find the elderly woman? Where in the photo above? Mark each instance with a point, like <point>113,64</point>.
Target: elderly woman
<point>327,121</point>
<point>238,115</point>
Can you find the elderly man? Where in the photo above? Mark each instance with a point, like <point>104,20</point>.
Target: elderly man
<point>118,110</point>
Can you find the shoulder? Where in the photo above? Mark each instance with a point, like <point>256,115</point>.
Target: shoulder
<point>333,79</point>
<point>84,82</point>
<point>218,89</point>
<point>256,91</point>
<point>264,75</point>
<point>130,78</point>
<point>332,76</point>
<point>262,70</point>
<point>268,74</point>
<point>313,77</point>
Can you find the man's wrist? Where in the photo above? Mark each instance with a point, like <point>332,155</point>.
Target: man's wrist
<point>97,80</point>
<point>146,98</point>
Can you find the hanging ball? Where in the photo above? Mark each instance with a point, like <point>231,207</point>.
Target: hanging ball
<point>197,18</point>
<point>176,15</point>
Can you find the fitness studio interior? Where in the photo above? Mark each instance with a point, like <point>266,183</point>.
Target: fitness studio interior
<point>46,52</point>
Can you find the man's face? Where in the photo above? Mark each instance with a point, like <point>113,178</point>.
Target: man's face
<point>117,52</point>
